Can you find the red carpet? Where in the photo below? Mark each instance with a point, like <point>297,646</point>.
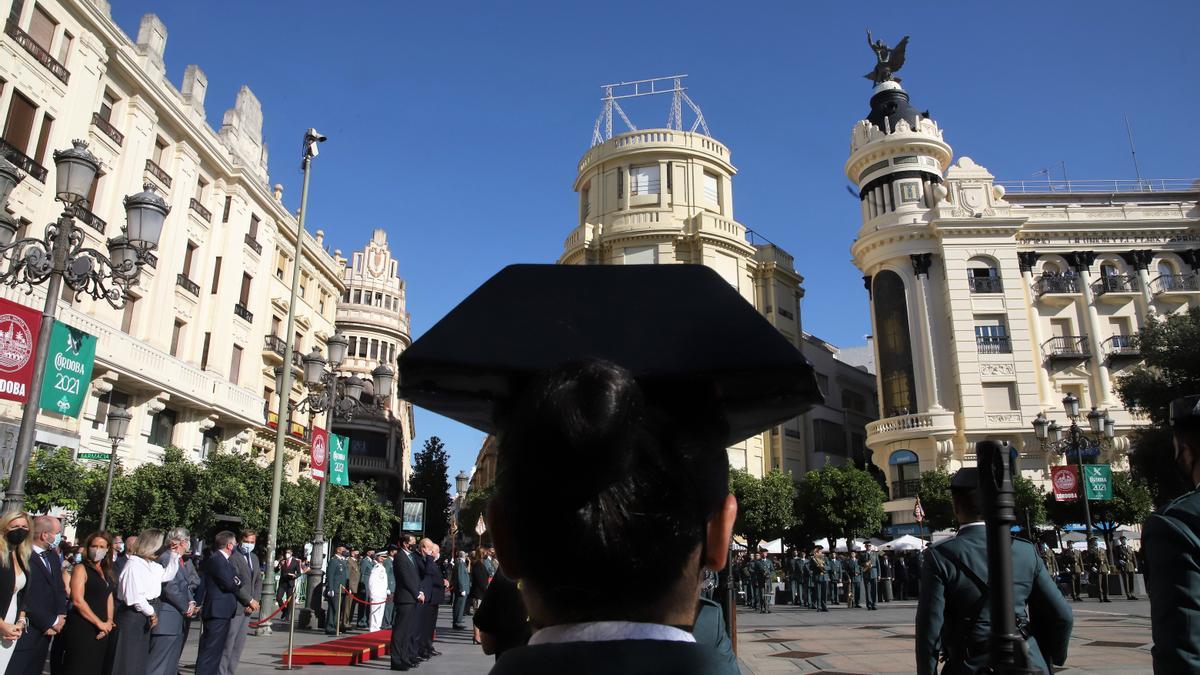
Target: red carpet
<point>344,651</point>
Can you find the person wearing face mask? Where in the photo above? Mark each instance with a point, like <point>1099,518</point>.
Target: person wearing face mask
<point>245,565</point>
<point>14,577</point>
<point>122,547</point>
<point>89,626</point>
<point>45,599</point>
<point>139,595</point>
<point>1171,542</point>
<point>289,571</point>
<point>176,610</point>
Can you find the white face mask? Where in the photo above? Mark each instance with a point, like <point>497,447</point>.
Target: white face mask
<point>98,554</point>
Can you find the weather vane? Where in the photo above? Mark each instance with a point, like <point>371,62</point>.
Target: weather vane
<point>889,59</point>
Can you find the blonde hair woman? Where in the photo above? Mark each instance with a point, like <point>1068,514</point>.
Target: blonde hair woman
<point>138,591</point>
<point>15,548</point>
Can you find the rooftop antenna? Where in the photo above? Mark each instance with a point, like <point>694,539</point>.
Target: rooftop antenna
<point>602,130</point>
<point>1133,152</point>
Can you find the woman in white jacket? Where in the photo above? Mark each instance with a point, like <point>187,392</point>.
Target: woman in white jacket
<point>377,589</point>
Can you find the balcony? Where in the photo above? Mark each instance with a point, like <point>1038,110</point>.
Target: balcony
<point>37,51</point>
<point>195,205</point>
<point>986,284</point>
<point>904,489</point>
<point>1118,286</point>
<point>108,129</point>
<point>241,312</point>
<point>1067,348</point>
<point>1121,347</point>
<point>907,427</point>
<point>90,219</point>
<point>1055,285</point>
<point>182,281</point>
<point>23,161</point>
<point>295,429</point>
<point>274,347</point>
<point>993,344</point>
<point>158,174</point>
<point>151,259</point>
<point>253,244</point>
<point>1175,284</point>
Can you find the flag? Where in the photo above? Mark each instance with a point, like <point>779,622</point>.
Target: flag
<point>320,453</point>
<point>918,512</point>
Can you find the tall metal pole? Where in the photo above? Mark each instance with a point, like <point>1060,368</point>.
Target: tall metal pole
<point>14,497</point>
<point>112,465</point>
<point>285,387</point>
<point>316,569</point>
<point>1076,444</point>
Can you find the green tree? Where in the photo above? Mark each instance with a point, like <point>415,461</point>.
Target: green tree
<point>356,515</point>
<point>934,491</point>
<point>430,481</point>
<point>840,502</point>
<point>157,495</point>
<point>57,479</point>
<point>1030,504</point>
<point>1170,368</point>
<point>474,506</point>
<point>765,506</point>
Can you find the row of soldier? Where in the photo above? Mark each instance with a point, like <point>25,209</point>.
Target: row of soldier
<point>815,581</point>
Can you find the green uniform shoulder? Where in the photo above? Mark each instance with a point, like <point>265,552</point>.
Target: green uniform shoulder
<point>1187,503</point>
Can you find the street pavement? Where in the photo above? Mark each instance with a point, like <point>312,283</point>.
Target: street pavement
<point>1107,638</point>
<point>262,654</point>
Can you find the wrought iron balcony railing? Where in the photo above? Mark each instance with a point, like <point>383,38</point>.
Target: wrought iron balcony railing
<point>993,344</point>
<point>1121,346</point>
<point>1067,347</point>
<point>253,244</point>
<point>24,162</point>
<point>155,170</point>
<point>1176,283</point>
<point>182,281</point>
<point>38,52</point>
<point>986,285</point>
<point>240,310</point>
<point>108,129</point>
<point>195,205</point>
<point>1055,284</point>
<point>276,344</point>
<point>90,219</point>
<point>1115,283</point>
<point>902,489</point>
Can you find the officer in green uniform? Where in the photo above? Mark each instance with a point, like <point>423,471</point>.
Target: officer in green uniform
<point>1049,559</point>
<point>953,613</point>
<point>834,569</point>
<point>754,574</point>
<point>1097,567</point>
<point>337,576</point>
<point>768,592</point>
<point>818,576</point>
<point>870,565</point>
<point>1075,568</point>
<point>854,594</point>
<point>1126,566</point>
<point>1171,543</point>
<point>805,581</point>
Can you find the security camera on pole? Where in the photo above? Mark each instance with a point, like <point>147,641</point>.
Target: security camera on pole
<point>311,139</point>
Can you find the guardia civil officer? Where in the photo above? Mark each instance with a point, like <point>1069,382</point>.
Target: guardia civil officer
<point>953,613</point>
<point>1171,543</point>
<point>638,406</point>
<point>818,566</point>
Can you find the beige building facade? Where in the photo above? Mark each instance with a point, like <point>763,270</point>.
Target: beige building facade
<point>990,302</point>
<point>372,316</point>
<point>193,352</point>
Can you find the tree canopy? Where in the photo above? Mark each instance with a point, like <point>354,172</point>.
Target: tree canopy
<point>765,505</point>
<point>840,501</point>
<point>1130,505</point>
<point>1170,368</point>
<point>939,510</point>
<point>430,481</point>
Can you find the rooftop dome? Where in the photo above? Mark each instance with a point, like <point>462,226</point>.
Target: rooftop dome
<point>889,105</point>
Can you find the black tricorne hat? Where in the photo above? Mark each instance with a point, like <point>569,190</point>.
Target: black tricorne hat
<point>966,478</point>
<point>678,329</point>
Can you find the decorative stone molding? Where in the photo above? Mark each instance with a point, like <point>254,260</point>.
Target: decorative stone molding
<point>157,404</point>
<point>1080,261</point>
<point>996,369</point>
<point>1192,258</point>
<point>1026,260</point>
<point>1138,260</point>
<point>921,263</point>
<point>208,423</point>
<point>1004,419</point>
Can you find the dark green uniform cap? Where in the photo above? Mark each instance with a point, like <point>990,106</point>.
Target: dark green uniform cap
<point>687,336</point>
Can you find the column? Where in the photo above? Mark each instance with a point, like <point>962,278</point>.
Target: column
<point>1082,261</point>
<point>921,263</point>
<point>1140,261</point>
<point>1027,260</point>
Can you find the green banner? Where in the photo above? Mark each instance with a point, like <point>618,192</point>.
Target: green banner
<point>1097,481</point>
<point>339,460</point>
<point>68,370</point>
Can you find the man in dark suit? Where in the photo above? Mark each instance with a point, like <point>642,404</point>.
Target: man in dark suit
<point>953,613</point>
<point>407,599</point>
<point>178,605</point>
<point>422,636</point>
<point>437,595</point>
<point>289,571</point>
<point>246,567</point>
<point>45,599</point>
<point>221,604</point>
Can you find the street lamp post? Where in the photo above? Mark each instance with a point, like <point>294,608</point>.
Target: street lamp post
<point>116,426</point>
<point>1049,434</point>
<point>60,257</point>
<point>337,398</point>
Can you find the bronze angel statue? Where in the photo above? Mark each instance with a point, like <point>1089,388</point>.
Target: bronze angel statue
<point>889,59</point>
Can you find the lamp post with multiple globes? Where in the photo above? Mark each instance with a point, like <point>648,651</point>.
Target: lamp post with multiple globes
<point>1050,435</point>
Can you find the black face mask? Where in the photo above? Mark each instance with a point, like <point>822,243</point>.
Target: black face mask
<point>15,537</point>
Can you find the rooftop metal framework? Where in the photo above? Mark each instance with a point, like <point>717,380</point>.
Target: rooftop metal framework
<point>673,84</point>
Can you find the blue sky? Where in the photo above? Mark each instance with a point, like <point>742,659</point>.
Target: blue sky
<point>456,126</point>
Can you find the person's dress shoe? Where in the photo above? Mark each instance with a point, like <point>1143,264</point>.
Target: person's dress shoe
<point>434,652</point>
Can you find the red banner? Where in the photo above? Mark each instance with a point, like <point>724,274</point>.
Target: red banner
<point>1066,483</point>
<point>320,452</point>
<point>18,337</point>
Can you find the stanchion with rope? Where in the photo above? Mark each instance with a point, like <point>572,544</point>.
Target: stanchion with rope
<point>364,602</point>
<point>291,630</point>
<point>260,622</point>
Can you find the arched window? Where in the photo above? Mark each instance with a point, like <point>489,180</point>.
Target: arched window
<point>983,275</point>
<point>895,348</point>
<point>1109,269</point>
<point>905,471</point>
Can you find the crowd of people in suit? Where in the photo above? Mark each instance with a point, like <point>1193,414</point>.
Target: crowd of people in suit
<point>111,605</point>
